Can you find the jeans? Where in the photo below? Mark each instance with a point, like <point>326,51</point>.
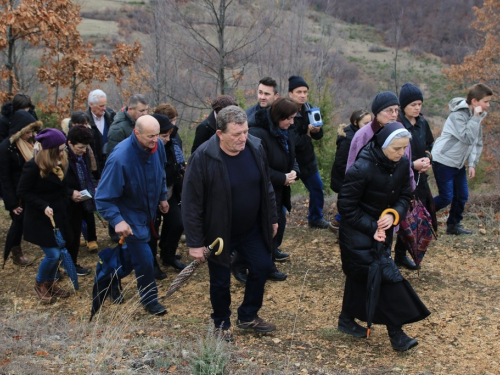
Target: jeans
<point>252,248</point>
<point>452,187</point>
<point>142,262</point>
<point>314,184</point>
<point>48,266</point>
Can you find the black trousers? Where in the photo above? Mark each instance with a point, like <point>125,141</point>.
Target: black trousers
<point>15,233</point>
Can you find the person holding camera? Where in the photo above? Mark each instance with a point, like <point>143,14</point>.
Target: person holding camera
<point>304,132</point>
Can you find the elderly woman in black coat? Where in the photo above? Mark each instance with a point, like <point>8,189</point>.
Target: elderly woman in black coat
<point>378,180</point>
<point>44,191</point>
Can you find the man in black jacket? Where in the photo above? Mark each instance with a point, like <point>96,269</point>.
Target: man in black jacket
<point>266,95</point>
<point>304,132</point>
<point>101,119</point>
<point>227,193</point>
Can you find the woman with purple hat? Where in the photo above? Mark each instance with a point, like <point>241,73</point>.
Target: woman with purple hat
<point>44,191</point>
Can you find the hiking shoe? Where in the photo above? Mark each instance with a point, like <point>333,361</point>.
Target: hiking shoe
<point>321,224</point>
<point>457,229</point>
<point>155,308</point>
<point>406,263</point>
<point>258,325</point>
<point>277,276</point>
<point>349,326</point>
<point>225,334</point>
<point>92,245</point>
<point>281,256</point>
<point>400,341</point>
<point>81,271</point>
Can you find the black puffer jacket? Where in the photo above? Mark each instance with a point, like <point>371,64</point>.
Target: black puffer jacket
<point>371,185</point>
<point>204,131</point>
<point>206,197</point>
<point>345,134</point>
<point>173,169</point>
<point>6,114</point>
<point>304,148</point>
<point>280,161</point>
<point>11,165</point>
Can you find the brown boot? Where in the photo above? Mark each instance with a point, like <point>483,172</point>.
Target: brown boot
<point>42,290</point>
<point>18,256</point>
<point>55,291</point>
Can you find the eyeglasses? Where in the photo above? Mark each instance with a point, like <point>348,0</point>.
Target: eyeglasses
<point>390,111</point>
<point>63,149</point>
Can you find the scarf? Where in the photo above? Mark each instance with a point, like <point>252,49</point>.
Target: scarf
<point>26,149</point>
<point>83,178</point>
<point>58,172</point>
<point>179,155</point>
<point>283,138</point>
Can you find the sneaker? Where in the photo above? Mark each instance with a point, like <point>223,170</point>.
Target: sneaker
<point>258,325</point>
<point>321,224</point>
<point>92,245</point>
<point>82,271</point>
<point>457,229</point>
<point>281,256</point>
<point>225,334</point>
<point>155,308</point>
<point>401,342</point>
<point>349,326</point>
<point>277,276</point>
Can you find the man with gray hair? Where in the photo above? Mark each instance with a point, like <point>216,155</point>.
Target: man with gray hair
<point>125,120</point>
<point>227,193</point>
<point>101,117</point>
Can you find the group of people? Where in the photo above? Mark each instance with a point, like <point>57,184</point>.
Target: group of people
<point>130,167</point>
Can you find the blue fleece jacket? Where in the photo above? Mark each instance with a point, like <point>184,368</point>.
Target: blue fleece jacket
<point>132,184</point>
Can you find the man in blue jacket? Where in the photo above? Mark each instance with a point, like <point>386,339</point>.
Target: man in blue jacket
<point>132,185</point>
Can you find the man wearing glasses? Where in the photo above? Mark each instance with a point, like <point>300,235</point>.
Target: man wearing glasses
<point>132,186</point>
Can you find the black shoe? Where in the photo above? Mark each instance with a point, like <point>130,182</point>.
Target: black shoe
<point>457,229</point>
<point>321,224</point>
<point>240,276</point>
<point>176,264</point>
<point>159,274</point>
<point>349,326</point>
<point>155,308</point>
<point>281,256</point>
<point>81,271</point>
<point>178,256</point>
<point>406,263</point>
<point>277,276</point>
<point>401,342</point>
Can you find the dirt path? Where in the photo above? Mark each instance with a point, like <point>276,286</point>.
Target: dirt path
<point>459,282</point>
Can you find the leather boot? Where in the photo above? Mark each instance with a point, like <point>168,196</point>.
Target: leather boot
<point>55,291</point>
<point>18,257</point>
<point>42,291</point>
<point>400,341</point>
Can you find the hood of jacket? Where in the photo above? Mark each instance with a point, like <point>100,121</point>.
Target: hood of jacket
<point>33,127</point>
<point>457,104</point>
<point>7,109</point>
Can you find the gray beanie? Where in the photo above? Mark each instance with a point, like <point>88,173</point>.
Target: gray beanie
<point>383,100</point>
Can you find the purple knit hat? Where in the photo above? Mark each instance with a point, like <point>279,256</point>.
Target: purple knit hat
<point>50,138</point>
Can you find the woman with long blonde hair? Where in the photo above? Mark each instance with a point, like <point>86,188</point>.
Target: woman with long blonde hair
<point>44,191</point>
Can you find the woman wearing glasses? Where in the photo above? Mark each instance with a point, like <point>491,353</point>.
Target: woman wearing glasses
<point>44,191</point>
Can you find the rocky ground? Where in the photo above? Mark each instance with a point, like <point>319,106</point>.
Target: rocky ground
<point>459,282</point>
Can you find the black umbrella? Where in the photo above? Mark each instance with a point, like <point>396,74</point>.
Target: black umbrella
<point>114,264</point>
<point>67,261</point>
<point>375,274</point>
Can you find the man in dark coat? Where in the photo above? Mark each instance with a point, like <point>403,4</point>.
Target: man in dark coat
<point>266,95</point>
<point>227,193</point>
<point>101,118</point>
<point>208,127</point>
<point>304,132</point>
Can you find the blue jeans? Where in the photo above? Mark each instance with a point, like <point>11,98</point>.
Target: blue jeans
<point>252,248</point>
<point>314,184</point>
<point>48,266</point>
<point>142,262</point>
<point>452,187</point>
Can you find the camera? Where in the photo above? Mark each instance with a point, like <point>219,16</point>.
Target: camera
<point>315,116</point>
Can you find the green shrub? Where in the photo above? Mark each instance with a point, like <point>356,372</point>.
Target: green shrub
<point>211,355</point>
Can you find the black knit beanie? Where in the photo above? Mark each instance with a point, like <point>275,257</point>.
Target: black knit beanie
<point>383,100</point>
<point>164,121</point>
<point>296,81</point>
<point>19,121</point>
<point>408,94</point>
